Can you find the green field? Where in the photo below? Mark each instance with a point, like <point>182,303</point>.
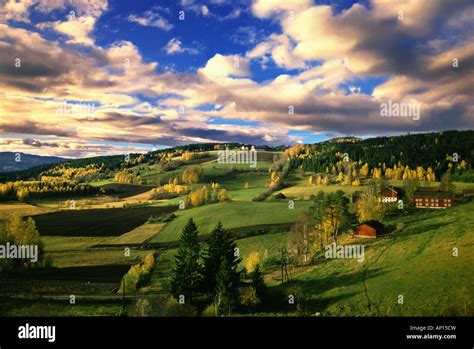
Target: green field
<point>298,186</point>
<point>234,182</point>
<point>266,246</point>
<point>232,215</point>
<point>95,257</point>
<point>138,235</point>
<point>67,243</point>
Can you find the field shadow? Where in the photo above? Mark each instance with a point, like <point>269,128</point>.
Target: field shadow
<point>97,222</point>
<point>306,290</point>
<point>422,229</point>
<point>98,273</point>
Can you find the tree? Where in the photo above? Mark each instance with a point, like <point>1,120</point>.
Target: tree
<point>318,211</point>
<point>430,175</point>
<point>336,214</point>
<point>15,227</point>
<point>221,246</point>
<point>248,297</point>
<point>356,182</point>
<point>5,263</point>
<point>275,180</point>
<point>30,234</point>
<point>325,180</point>
<point>226,294</point>
<point>406,173</point>
<point>347,180</point>
<point>411,185</point>
<point>420,173</point>
<point>377,173</point>
<point>252,261</point>
<point>188,271</point>
<point>198,197</point>
<point>224,195</point>
<point>192,174</point>
<point>258,283</point>
<point>138,180</point>
<point>298,236</point>
<point>22,194</point>
<point>3,234</point>
<point>446,183</point>
<point>369,206</point>
<point>20,232</point>
<point>364,171</point>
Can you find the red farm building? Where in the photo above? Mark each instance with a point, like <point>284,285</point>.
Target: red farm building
<point>368,229</point>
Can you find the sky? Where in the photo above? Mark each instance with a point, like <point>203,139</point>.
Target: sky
<point>84,78</point>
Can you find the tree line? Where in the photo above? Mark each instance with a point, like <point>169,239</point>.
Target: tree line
<point>46,187</point>
<point>433,152</point>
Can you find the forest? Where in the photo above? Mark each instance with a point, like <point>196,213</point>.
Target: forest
<point>434,153</point>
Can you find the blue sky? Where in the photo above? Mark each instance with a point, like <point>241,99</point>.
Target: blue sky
<point>230,71</point>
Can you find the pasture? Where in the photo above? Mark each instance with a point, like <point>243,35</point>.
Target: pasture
<point>416,262</point>
<point>232,215</point>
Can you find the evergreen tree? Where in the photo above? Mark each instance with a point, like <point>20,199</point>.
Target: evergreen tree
<point>187,272</point>
<point>221,246</point>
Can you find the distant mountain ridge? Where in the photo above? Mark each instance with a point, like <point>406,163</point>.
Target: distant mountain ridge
<point>11,162</point>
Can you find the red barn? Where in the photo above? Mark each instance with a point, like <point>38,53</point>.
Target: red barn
<point>368,229</point>
<point>433,199</point>
<point>389,194</point>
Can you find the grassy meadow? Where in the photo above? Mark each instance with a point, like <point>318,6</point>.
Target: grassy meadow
<point>415,262</point>
<point>232,215</point>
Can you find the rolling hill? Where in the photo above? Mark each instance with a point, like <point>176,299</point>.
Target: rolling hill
<point>10,162</point>
<point>417,261</point>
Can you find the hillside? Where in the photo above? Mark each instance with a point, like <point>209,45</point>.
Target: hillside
<point>416,262</point>
<point>233,215</point>
<point>436,150</point>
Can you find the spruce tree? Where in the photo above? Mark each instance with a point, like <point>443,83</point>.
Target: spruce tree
<point>227,292</point>
<point>187,272</point>
<point>221,246</point>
